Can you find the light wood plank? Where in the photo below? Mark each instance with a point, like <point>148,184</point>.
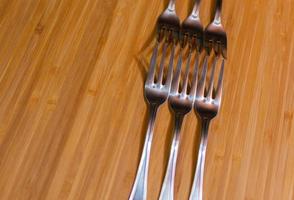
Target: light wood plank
<point>72,110</point>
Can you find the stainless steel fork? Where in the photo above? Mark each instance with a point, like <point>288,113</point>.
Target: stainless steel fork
<point>207,105</point>
<point>157,91</point>
<point>181,101</point>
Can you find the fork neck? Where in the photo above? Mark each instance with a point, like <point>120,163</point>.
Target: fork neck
<point>178,122</point>
<point>195,12</point>
<point>218,9</point>
<point>153,109</point>
<point>205,126</point>
<point>172,5</point>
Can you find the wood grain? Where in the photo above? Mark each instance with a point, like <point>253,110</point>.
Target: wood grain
<point>72,111</point>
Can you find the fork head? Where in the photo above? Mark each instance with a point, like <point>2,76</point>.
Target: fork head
<point>216,39</point>
<point>207,104</point>
<point>192,29</point>
<point>168,27</point>
<point>215,36</point>
<point>181,101</point>
<point>156,92</point>
<point>168,24</point>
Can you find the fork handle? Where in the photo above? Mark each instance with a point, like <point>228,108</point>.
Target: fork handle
<point>197,187</point>
<point>139,190</point>
<point>167,190</point>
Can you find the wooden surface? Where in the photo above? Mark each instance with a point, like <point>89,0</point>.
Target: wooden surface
<point>72,111</point>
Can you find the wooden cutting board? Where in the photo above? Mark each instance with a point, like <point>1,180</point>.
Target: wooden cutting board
<point>72,110</point>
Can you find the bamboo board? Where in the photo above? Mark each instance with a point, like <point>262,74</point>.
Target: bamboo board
<point>72,111</point>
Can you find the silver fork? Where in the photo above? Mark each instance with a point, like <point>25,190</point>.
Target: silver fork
<point>156,91</point>
<point>181,102</point>
<point>207,105</point>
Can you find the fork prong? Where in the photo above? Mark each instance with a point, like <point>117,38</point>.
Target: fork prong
<point>201,84</point>
<point>176,78</point>
<point>195,77</point>
<point>218,93</point>
<point>210,87</point>
<point>161,66</point>
<point>170,67</point>
<point>152,67</point>
<point>186,76</point>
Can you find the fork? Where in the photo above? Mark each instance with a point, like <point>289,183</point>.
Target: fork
<point>156,90</point>
<point>181,102</point>
<point>207,105</point>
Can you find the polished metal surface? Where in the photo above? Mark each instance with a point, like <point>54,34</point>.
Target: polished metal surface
<point>157,90</point>
<point>207,104</point>
<point>215,37</point>
<point>192,29</point>
<point>181,101</point>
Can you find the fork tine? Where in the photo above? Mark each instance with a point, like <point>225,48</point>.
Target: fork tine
<point>176,78</point>
<point>161,66</point>
<point>218,93</point>
<point>210,87</point>
<point>186,76</point>
<point>170,67</point>
<point>201,84</point>
<point>151,73</point>
<point>195,77</point>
